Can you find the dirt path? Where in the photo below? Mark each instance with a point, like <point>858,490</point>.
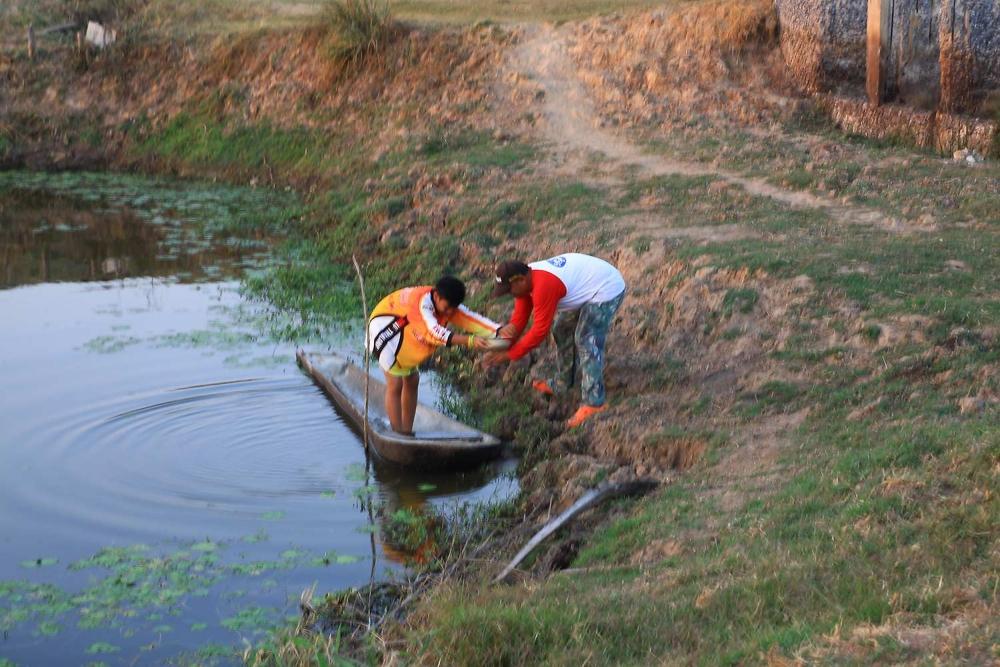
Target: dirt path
<point>571,125</point>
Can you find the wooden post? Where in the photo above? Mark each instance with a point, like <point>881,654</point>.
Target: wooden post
<point>79,43</point>
<point>879,48</point>
<point>31,41</point>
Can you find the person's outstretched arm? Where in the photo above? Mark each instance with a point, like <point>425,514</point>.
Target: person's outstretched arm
<point>545,295</point>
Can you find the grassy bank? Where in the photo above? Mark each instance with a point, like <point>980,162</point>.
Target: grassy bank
<point>816,392</point>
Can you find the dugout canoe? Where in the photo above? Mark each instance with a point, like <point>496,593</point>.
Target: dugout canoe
<point>438,441</point>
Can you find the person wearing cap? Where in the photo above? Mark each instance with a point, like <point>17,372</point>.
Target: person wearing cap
<point>575,296</point>
<point>405,329</point>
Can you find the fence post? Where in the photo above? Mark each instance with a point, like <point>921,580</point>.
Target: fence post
<point>879,47</point>
<point>31,41</point>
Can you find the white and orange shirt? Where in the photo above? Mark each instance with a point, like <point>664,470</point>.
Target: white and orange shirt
<point>561,283</point>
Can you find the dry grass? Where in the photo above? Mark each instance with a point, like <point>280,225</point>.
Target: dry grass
<point>724,24</point>
<point>360,28</point>
<point>186,17</point>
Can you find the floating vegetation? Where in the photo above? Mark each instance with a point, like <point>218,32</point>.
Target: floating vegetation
<point>110,344</point>
<point>356,473</point>
<point>102,647</point>
<point>273,516</point>
<point>214,208</point>
<point>48,629</point>
<point>137,582</point>
<point>363,492</point>
<point>222,338</point>
<point>259,536</point>
<point>250,619</point>
<point>38,562</point>
<point>333,558</point>
<point>138,226</point>
<point>426,488</point>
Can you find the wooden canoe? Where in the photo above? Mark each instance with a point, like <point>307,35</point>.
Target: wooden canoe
<point>438,441</point>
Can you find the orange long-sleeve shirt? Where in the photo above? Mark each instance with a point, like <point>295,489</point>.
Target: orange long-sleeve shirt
<point>540,305</point>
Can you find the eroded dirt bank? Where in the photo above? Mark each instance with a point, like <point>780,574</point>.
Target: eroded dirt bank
<point>808,349</point>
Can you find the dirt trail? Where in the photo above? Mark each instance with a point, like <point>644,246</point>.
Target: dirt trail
<point>572,124</point>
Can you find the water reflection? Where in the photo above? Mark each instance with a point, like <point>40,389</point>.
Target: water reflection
<point>51,238</point>
<point>160,420</point>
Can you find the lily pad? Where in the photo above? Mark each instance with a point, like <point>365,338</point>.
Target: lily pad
<point>39,562</point>
<point>259,536</point>
<point>273,516</point>
<point>102,647</point>
<point>48,629</point>
<point>249,619</point>
<point>424,488</point>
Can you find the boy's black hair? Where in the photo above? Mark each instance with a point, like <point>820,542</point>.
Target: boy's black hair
<point>451,289</point>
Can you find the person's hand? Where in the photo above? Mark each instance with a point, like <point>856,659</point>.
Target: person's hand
<point>481,343</point>
<point>494,359</point>
<point>507,331</point>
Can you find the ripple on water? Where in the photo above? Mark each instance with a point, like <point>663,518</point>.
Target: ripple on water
<point>227,447</point>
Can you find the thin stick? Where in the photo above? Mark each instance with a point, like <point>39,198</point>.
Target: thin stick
<point>364,319</point>
<point>585,502</point>
<point>368,458</point>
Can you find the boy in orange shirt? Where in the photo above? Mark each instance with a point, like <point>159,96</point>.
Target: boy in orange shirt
<point>405,329</point>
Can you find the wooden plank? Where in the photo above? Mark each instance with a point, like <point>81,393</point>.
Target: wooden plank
<point>879,45</point>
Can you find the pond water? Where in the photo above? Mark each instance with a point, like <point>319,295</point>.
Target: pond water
<point>170,481</point>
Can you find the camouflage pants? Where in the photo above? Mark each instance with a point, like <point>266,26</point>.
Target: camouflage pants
<point>579,337</point>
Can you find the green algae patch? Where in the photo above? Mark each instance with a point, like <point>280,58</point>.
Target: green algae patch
<point>38,562</point>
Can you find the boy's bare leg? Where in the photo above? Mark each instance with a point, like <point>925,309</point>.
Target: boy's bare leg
<point>393,395</point>
<point>408,409</point>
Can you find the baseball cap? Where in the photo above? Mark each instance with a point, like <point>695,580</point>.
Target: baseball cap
<point>505,271</point>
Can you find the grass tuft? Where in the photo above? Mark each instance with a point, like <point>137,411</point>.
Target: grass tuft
<point>361,28</point>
